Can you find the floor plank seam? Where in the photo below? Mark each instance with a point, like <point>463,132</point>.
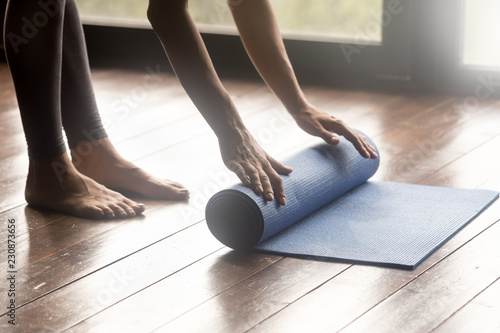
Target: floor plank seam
<point>170,146</point>
<point>457,158</point>
<point>221,292</point>
<point>299,298</point>
<point>62,217</point>
<point>427,110</point>
<point>144,288</point>
<point>159,127</point>
<point>96,270</point>
<point>487,181</point>
<point>16,204</point>
<point>463,306</point>
<point>198,135</point>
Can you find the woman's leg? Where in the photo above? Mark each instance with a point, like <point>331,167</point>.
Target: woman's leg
<point>92,152</point>
<point>80,115</point>
<point>34,50</point>
<point>33,31</point>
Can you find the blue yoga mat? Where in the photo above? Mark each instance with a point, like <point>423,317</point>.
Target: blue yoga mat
<point>333,212</point>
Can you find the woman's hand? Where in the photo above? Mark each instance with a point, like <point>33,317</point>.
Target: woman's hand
<point>319,123</point>
<point>254,167</point>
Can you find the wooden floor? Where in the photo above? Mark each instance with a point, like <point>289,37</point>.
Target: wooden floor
<point>164,272</point>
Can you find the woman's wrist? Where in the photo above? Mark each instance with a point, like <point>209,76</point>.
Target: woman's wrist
<point>234,131</point>
<point>230,126</point>
<point>296,106</point>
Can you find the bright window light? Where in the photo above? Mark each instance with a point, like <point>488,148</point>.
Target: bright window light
<point>481,44</point>
<point>323,19</point>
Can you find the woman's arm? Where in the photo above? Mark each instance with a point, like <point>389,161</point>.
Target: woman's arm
<point>189,58</point>
<point>260,35</point>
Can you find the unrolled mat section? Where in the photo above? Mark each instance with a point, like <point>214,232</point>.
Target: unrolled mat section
<point>333,212</point>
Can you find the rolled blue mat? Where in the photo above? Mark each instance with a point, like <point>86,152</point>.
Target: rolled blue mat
<point>334,213</point>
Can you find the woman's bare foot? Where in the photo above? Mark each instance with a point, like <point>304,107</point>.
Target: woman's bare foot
<point>56,184</point>
<point>102,163</point>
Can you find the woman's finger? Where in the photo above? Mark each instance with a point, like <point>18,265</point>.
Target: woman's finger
<point>352,136</point>
<point>278,166</point>
<point>255,179</point>
<point>240,172</point>
<point>277,186</point>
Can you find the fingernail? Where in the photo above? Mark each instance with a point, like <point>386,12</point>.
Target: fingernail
<point>184,190</point>
<point>270,197</point>
<point>260,189</point>
<point>283,201</point>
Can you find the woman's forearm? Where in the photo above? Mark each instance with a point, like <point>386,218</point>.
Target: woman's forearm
<point>190,60</point>
<point>260,35</point>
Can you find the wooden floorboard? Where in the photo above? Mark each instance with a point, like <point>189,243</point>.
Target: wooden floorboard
<point>481,312</point>
<point>164,271</point>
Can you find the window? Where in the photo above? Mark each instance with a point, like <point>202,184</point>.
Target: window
<point>480,44</point>
<point>456,49</point>
<point>113,12</point>
<point>324,19</point>
<point>328,41</point>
